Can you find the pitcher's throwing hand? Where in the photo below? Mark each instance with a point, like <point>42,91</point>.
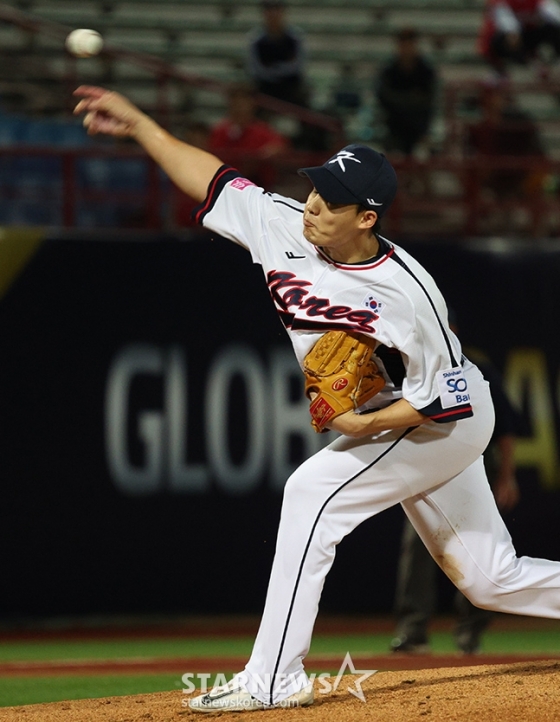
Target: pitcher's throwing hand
<point>107,112</point>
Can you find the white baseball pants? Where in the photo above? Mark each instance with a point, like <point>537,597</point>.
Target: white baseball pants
<point>436,472</point>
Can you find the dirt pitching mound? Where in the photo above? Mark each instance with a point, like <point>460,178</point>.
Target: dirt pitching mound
<point>524,692</point>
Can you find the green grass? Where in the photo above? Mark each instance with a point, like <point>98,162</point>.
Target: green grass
<point>339,644</point>
<point>186,647</point>
<point>517,642</point>
<point>31,690</point>
<point>496,642</point>
<point>28,690</point>
<point>493,642</point>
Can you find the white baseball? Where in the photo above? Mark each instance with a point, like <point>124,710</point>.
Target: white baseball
<point>84,43</point>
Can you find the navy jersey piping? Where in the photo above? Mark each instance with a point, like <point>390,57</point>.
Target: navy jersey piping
<point>222,176</point>
<point>401,263</point>
<point>435,410</point>
<point>302,563</point>
<point>283,203</point>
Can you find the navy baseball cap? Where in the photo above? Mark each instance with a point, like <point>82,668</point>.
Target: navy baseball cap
<point>356,174</point>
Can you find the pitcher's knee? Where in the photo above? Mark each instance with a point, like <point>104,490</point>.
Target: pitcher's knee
<point>482,594</point>
<point>488,592</point>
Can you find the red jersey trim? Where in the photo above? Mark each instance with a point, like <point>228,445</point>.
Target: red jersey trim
<point>455,412</point>
<point>201,210</point>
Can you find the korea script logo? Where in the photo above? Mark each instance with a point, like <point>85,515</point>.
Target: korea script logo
<point>287,292</point>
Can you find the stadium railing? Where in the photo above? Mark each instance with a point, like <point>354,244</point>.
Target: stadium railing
<point>115,186</point>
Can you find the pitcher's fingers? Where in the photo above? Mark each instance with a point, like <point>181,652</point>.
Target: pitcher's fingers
<point>81,107</point>
<point>89,104</point>
<point>90,91</point>
<point>89,121</point>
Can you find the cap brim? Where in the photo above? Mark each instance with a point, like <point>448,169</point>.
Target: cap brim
<point>328,186</point>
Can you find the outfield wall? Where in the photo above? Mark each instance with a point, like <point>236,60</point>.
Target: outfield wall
<point>151,410</point>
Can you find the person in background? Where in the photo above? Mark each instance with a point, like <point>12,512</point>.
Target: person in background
<point>240,137</point>
<point>276,56</point>
<point>406,89</point>
<point>347,93</point>
<point>241,130</point>
<point>197,133</point>
<point>416,578</point>
<point>504,131</point>
<point>514,30</point>
<point>246,141</point>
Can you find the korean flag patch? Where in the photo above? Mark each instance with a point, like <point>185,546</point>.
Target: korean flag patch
<point>373,304</point>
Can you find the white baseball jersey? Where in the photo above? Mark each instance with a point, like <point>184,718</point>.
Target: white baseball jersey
<point>390,297</point>
<point>435,470</point>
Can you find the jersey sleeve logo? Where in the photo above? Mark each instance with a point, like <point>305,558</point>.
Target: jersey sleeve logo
<point>453,387</point>
<point>241,183</point>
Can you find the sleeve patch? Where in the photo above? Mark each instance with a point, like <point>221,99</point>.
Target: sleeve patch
<point>453,388</point>
<point>241,183</point>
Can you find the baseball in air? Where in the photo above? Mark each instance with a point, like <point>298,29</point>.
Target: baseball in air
<point>84,43</point>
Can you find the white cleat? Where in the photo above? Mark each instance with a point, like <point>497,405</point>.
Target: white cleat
<point>231,697</point>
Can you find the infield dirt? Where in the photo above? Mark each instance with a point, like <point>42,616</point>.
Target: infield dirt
<point>521,692</point>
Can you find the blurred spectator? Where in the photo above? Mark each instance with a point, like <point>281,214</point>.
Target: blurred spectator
<point>198,134</point>
<point>406,90</point>
<point>276,56</point>
<point>347,93</point>
<point>504,130</point>
<point>347,104</point>
<point>240,139</point>
<point>514,30</point>
<point>242,131</point>
<point>276,66</point>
